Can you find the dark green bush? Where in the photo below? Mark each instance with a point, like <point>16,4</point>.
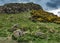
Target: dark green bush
<point>43,16</point>
<point>2,34</point>
<point>14,38</point>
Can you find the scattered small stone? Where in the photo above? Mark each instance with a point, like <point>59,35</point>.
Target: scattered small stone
<point>52,30</point>
<point>14,27</point>
<point>39,33</point>
<point>30,42</point>
<point>24,29</point>
<point>18,33</point>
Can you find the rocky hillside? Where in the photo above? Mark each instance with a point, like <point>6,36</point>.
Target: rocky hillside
<point>19,7</point>
<point>19,28</point>
<point>37,14</point>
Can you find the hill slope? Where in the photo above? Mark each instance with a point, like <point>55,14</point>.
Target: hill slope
<point>50,32</point>
<point>18,28</point>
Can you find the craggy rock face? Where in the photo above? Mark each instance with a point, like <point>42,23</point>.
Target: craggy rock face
<point>18,7</point>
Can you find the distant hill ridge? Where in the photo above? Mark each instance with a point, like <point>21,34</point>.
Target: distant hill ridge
<point>18,7</point>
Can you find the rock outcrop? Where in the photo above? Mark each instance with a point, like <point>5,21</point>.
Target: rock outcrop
<point>19,7</point>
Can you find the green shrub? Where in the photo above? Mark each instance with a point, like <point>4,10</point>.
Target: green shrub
<point>14,38</point>
<point>43,16</point>
<point>2,34</point>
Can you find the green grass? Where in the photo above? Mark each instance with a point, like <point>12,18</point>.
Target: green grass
<point>8,20</point>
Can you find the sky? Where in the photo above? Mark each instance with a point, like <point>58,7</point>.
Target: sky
<point>47,5</point>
